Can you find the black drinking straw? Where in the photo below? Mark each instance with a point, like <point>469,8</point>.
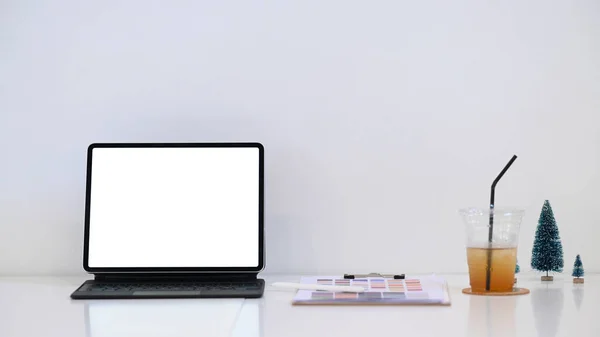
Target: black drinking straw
<point>491,228</point>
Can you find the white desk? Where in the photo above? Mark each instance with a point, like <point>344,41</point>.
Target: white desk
<point>42,307</point>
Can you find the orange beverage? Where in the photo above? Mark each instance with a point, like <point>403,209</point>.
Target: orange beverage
<point>502,271</point>
<point>492,238</point>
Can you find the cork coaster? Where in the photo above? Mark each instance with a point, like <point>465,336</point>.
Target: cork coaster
<point>516,291</point>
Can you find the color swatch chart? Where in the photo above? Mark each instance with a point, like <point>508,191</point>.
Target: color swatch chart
<point>408,285</point>
<point>414,290</point>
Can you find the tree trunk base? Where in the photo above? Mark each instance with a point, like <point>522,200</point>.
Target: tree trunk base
<point>515,280</point>
<point>578,280</point>
<point>547,278</point>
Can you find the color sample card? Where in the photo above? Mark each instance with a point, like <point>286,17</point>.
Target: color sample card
<point>396,286</point>
<point>413,285</point>
<point>378,284</point>
<point>394,295</point>
<point>369,295</point>
<point>342,282</point>
<point>361,282</point>
<point>345,296</point>
<point>398,290</point>
<point>322,295</point>
<point>413,290</point>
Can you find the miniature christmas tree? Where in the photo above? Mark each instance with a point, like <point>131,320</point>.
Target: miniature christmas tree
<point>547,254</point>
<point>577,270</point>
<point>517,270</point>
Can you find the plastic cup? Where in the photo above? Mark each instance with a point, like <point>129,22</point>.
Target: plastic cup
<point>492,262</point>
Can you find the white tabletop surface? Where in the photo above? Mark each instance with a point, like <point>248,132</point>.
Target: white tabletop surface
<point>40,306</point>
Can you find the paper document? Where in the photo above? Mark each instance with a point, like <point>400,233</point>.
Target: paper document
<point>378,290</point>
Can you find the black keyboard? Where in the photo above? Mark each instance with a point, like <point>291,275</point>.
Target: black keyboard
<point>105,290</point>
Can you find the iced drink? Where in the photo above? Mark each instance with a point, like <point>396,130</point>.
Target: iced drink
<point>502,274</point>
<point>492,254</point>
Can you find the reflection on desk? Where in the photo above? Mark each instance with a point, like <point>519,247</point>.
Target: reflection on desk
<point>170,317</point>
<point>249,322</point>
<point>42,307</point>
<point>492,316</point>
<point>578,295</point>
<point>547,302</point>
<point>552,309</point>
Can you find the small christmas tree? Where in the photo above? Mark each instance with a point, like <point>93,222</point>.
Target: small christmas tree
<point>577,270</point>
<point>547,254</point>
<point>517,270</point>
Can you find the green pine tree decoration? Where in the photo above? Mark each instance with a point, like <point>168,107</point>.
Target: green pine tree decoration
<point>577,270</point>
<point>547,254</point>
<point>517,270</point>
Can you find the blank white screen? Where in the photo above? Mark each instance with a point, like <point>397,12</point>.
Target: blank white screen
<point>174,207</point>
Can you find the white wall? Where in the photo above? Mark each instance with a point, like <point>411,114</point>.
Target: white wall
<point>380,118</point>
